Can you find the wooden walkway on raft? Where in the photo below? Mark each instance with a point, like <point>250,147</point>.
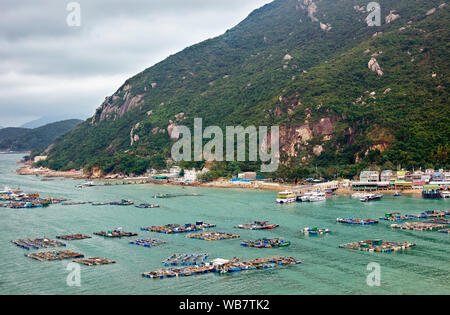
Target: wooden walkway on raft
<point>257,225</point>
<point>59,255</point>
<point>95,261</point>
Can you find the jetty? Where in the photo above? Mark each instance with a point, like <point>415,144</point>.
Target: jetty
<point>266,243</point>
<point>115,234</point>
<point>377,246</point>
<point>213,236</point>
<point>73,237</point>
<point>176,228</point>
<point>186,260</point>
<point>418,226</point>
<point>37,243</point>
<point>257,225</point>
<point>315,231</point>
<point>356,221</point>
<point>59,255</point>
<point>95,261</point>
<point>151,242</point>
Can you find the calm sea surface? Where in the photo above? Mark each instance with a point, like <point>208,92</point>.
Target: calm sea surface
<point>326,269</point>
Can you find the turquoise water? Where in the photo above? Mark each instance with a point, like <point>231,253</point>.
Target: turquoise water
<point>326,269</point>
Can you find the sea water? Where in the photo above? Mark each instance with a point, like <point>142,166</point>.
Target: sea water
<point>326,269</point>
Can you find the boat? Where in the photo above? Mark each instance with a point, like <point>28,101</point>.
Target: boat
<point>397,194</point>
<point>317,196</point>
<point>445,194</point>
<point>371,197</point>
<point>124,202</point>
<point>286,197</point>
<point>88,184</point>
<point>146,206</point>
<point>161,196</point>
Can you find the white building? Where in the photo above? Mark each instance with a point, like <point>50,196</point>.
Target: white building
<point>369,176</point>
<point>175,171</point>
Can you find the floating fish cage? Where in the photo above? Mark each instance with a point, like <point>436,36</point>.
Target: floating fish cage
<point>186,260</point>
<point>418,226</point>
<point>446,231</point>
<point>37,243</point>
<point>115,233</point>
<point>95,261</point>
<point>266,243</point>
<point>176,228</point>
<point>59,255</point>
<point>122,203</point>
<point>73,237</point>
<point>213,236</point>
<point>438,221</point>
<point>225,266</point>
<point>395,217</point>
<point>151,242</point>
<point>378,246</point>
<point>356,221</point>
<point>315,231</point>
<point>146,206</point>
<point>257,225</point>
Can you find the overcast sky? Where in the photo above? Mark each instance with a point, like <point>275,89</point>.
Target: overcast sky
<point>48,68</point>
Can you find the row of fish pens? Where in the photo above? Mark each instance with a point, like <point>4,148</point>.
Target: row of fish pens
<point>115,234</point>
<point>266,243</point>
<point>37,243</point>
<point>419,226</point>
<point>257,225</point>
<point>377,246</point>
<point>73,237</point>
<point>186,260</point>
<point>55,255</point>
<point>213,236</point>
<point>234,265</point>
<point>151,242</point>
<point>356,221</point>
<point>176,228</point>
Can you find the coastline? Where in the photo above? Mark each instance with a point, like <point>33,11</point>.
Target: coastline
<point>257,185</point>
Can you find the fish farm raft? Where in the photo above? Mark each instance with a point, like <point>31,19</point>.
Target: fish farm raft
<point>315,231</point>
<point>115,234</point>
<point>73,237</point>
<point>186,260</point>
<point>37,243</point>
<point>95,261</point>
<point>59,255</point>
<point>151,242</point>
<point>377,246</point>
<point>176,228</point>
<point>419,226</point>
<point>213,236</point>
<point>257,225</point>
<point>356,221</point>
<point>266,243</point>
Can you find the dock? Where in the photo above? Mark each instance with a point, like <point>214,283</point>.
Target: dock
<point>95,261</point>
<point>176,228</point>
<point>213,236</point>
<point>37,243</point>
<point>257,225</point>
<point>378,246</point>
<point>73,237</point>
<point>51,256</point>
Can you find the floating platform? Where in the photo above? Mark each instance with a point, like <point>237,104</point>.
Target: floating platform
<point>124,202</point>
<point>213,236</point>
<point>151,242</point>
<point>115,233</point>
<point>438,221</point>
<point>356,221</point>
<point>147,206</point>
<point>395,217</point>
<point>59,255</point>
<point>447,231</point>
<point>266,243</point>
<point>418,226</point>
<point>73,237</point>
<point>95,261</point>
<point>37,243</point>
<point>433,214</point>
<point>223,266</point>
<point>378,246</point>
<point>176,228</point>
<point>257,225</point>
<point>186,260</point>
<point>315,231</point>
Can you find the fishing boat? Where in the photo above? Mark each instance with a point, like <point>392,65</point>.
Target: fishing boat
<point>88,184</point>
<point>124,202</point>
<point>397,194</point>
<point>161,196</point>
<point>315,231</point>
<point>445,194</point>
<point>146,206</point>
<point>317,196</point>
<point>286,197</point>
<point>371,197</point>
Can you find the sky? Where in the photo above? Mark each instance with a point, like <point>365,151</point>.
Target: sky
<point>61,58</point>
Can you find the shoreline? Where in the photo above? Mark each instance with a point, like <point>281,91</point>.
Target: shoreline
<point>257,185</point>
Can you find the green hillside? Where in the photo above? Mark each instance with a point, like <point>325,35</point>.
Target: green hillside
<point>24,139</point>
<point>299,64</point>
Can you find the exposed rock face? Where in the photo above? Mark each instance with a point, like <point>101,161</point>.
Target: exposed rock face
<point>287,57</point>
<point>325,27</point>
<point>134,137</point>
<point>317,150</point>
<point>323,127</point>
<point>375,67</point>
<point>431,11</point>
<point>391,17</point>
<point>173,131</point>
<point>115,107</point>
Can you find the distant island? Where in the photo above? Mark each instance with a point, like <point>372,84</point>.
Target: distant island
<point>25,139</point>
